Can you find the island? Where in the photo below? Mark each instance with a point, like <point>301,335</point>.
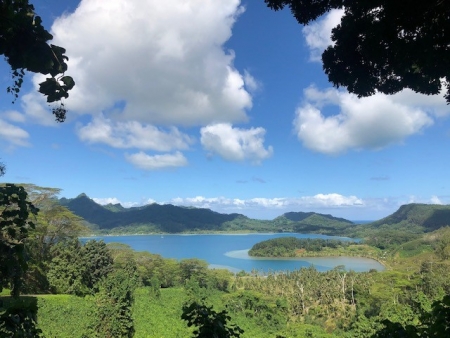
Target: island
<point>312,247</point>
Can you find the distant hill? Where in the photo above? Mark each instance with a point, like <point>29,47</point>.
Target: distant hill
<point>164,218</point>
<point>313,222</point>
<point>409,218</point>
<point>176,219</point>
<point>416,217</point>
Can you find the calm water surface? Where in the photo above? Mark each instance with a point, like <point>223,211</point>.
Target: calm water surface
<point>231,251</point>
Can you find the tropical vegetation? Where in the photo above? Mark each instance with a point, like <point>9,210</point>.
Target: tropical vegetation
<point>65,288</point>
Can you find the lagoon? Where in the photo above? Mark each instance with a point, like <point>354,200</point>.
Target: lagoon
<point>230,251</point>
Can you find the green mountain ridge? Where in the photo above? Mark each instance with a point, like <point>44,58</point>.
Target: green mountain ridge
<point>416,217</point>
<point>410,218</point>
<point>164,218</point>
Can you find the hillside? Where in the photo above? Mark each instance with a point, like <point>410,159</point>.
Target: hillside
<point>408,219</point>
<point>416,218</point>
<point>313,222</point>
<point>164,218</point>
<point>175,219</point>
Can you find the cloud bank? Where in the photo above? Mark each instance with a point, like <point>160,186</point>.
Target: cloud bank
<point>132,134</point>
<point>235,144</point>
<point>368,123</point>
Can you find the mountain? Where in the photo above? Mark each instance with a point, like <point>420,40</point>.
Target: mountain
<point>175,219</point>
<point>165,218</point>
<point>313,222</point>
<point>416,217</point>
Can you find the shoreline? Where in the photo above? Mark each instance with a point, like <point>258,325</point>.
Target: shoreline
<point>230,233</point>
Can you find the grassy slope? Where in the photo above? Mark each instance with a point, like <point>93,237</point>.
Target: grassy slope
<point>66,316</point>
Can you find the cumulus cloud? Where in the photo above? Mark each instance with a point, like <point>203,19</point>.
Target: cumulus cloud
<point>13,135</point>
<point>107,200</point>
<point>114,200</point>
<point>155,162</point>
<point>318,201</point>
<point>318,34</point>
<point>373,122</point>
<point>235,144</point>
<point>435,200</point>
<point>132,134</point>
<point>159,62</point>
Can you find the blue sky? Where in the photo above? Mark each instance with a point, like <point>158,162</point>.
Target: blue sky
<point>218,104</point>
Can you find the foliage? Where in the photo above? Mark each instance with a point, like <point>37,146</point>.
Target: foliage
<point>408,298</point>
<point>15,224</point>
<point>320,298</point>
<point>155,288</point>
<point>415,218</point>
<point>383,46</point>
<point>114,306</point>
<point>435,323</point>
<point>24,43</point>
<point>66,316</point>
<point>442,246</point>
<point>270,312</point>
<point>194,268</point>
<point>209,323</point>
<point>389,238</point>
<point>77,269</point>
<point>159,317</point>
<point>18,319</point>
<point>148,266</point>
<point>293,247</point>
<point>54,223</point>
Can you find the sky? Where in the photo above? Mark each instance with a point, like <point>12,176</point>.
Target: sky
<point>221,105</point>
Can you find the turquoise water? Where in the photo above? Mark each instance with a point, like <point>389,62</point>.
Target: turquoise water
<point>230,251</point>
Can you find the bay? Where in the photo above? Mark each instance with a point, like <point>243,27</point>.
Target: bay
<point>230,251</point>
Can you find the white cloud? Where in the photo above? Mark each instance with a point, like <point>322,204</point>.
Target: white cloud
<point>13,135</point>
<point>318,34</point>
<point>424,200</point>
<point>435,200</point>
<point>107,200</point>
<point>372,122</point>
<point>132,134</point>
<point>155,162</point>
<point>318,201</point>
<point>159,62</point>
<point>37,110</point>
<point>235,144</point>
<point>13,116</point>
<point>250,82</point>
<point>330,200</point>
<point>114,200</point>
<point>350,207</point>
